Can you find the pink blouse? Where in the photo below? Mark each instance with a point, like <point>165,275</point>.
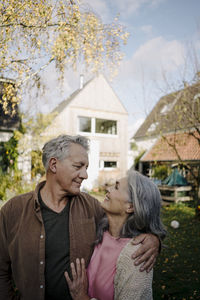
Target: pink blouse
<point>102,267</point>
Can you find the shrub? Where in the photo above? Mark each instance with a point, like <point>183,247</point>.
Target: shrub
<point>12,185</point>
<point>160,172</point>
<point>36,164</point>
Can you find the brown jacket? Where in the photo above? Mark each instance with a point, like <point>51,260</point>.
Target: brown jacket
<point>22,242</point>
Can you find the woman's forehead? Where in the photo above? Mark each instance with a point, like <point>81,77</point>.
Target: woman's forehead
<point>122,181</point>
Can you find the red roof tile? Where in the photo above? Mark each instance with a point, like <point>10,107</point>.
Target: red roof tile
<point>187,148</point>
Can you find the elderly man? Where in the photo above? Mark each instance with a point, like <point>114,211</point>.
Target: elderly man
<point>41,232</point>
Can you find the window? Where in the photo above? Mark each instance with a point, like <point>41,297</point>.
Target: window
<point>197,97</point>
<point>110,164</point>
<point>106,126</point>
<point>196,106</point>
<point>153,127</point>
<point>94,126</point>
<point>85,124</point>
<point>166,108</point>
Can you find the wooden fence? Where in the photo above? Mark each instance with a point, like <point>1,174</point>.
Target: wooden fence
<point>175,193</point>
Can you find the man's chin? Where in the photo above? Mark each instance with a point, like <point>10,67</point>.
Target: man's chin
<point>75,192</point>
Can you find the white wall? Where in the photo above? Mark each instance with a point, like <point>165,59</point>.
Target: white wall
<point>93,169</point>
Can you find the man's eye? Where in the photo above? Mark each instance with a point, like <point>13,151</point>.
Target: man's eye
<point>77,167</point>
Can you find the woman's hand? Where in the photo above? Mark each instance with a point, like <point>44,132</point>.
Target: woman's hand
<point>79,283</point>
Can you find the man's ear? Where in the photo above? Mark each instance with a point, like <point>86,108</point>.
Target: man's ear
<point>129,209</point>
<point>53,164</point>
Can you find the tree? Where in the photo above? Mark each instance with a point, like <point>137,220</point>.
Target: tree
<point>35,34</point>
<point>181,113</point>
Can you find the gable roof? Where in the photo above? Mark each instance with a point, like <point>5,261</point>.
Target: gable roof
<point>187,147</point>
<point>169,114</point>
<point>67,101</point>
<point>76,93</point>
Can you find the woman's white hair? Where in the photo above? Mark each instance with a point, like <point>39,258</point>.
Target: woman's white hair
<point>146,200</point>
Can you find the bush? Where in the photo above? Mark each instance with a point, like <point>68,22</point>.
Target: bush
<point>8,154</point>
<point>160,172</point>
<point>12,185</point>
<point>36,164</point>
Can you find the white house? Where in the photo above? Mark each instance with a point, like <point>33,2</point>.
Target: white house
<point>96,112</point>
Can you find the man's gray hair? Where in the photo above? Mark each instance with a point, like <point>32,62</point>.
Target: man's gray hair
<point>59,147</point>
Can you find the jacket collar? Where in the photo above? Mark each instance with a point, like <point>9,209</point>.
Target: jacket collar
<point>36,200</point>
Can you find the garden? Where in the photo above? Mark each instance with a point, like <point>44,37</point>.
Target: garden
<point>177,271</point>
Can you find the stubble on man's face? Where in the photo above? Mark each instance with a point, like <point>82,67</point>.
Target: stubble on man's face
<point>72,170</point>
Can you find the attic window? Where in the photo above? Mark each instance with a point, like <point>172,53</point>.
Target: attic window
<point>84,124</point>
<point>153,127</point>
<point>196,106</point>
<point>106,126</point>
<point>166,108</point>
<point>197,97</point>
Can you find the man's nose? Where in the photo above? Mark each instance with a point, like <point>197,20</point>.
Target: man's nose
<point>83,173</point>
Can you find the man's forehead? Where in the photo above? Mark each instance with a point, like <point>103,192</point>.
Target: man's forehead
<point>78,154</point>
<point>76,147</point>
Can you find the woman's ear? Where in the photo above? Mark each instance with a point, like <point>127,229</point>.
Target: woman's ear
<point>129,209</point>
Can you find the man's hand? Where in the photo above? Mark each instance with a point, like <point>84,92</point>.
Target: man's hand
<point>78,286</point>
<point>148,251</point>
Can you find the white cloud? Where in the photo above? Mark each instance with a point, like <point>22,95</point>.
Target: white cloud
<point>147,29</point>
<point>153,58</point>
<point>105,8</point>
<point>100,7</point>
<point>129,7</point>
<point>155,2</point>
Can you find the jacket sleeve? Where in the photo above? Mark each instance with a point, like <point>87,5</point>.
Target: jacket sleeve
<point>97,209</point>
<point>6,287</point>
<point>129,282</point>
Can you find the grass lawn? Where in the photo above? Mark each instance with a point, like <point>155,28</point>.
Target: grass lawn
<point>177,271</point>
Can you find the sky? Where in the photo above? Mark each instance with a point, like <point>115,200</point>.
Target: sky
<point>159,56</point>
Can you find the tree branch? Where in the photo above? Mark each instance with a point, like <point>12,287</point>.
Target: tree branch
<point>36,72</point>
<point>33,26</point>
<point>173,146</point>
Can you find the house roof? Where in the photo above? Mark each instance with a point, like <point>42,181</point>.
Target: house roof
<point>67,101</point>
<point>8,122</point>
<point>187,147</point>
<point>58,109</point>
<point>172,112</point>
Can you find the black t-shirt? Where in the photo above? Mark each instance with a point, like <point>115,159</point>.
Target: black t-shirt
<point>57,257</point>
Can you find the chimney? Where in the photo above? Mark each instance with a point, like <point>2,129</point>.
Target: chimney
<point>81,81</point>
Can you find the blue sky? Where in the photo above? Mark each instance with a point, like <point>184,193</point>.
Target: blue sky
<point>164,35</point>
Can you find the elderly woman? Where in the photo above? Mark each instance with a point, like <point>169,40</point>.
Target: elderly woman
<point>132,206</point>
